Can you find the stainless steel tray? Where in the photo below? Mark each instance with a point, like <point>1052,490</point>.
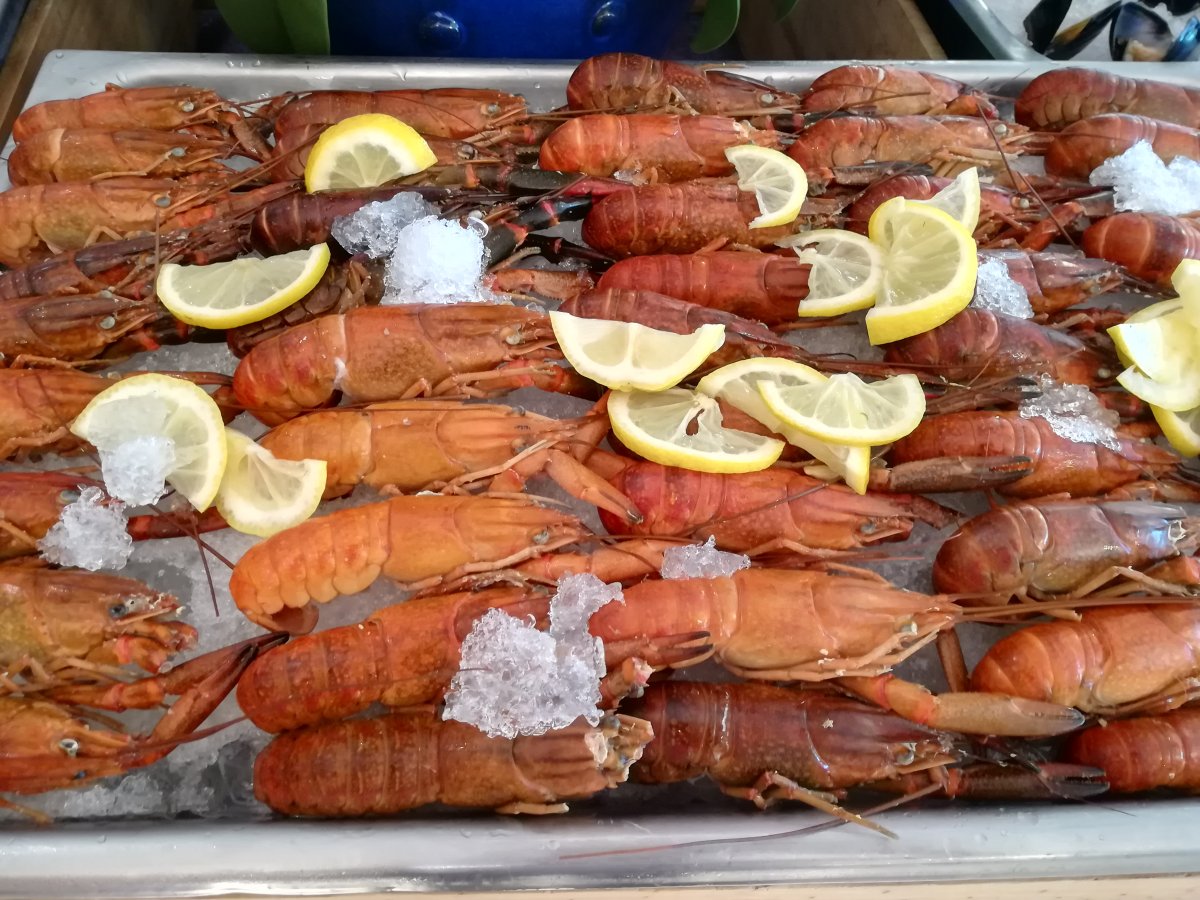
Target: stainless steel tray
<point>142,858</point>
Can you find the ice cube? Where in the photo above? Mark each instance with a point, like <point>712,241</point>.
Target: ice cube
<point>436,261</point>
<point>1142,182</point>
<point>1074,413</point>
<point>89,534</point>
<point>996,290</point>
<point>514,679</point>
<point>701,561</point>
<point>374,228</point>
<point>135,471</point>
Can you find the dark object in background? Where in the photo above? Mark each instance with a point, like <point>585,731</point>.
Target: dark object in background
<point>1043,22</point>
<point>1175,7</point>
<point>1135,32</point>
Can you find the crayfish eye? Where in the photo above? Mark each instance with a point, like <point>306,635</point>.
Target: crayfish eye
<point>117,610</point>
<point>176,152</point>
<point>766,99</point>
<point>65,497</point>
<point>492,109</point>
<point>162,200</point>
<point>187,106</point>
<point>69,746</point>
<point>107,322</point>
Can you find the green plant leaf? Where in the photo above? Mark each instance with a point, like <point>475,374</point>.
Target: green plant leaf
<point>279,26</point>
<point>783,9</point>
<point>307,23</point>
<point>718,25</point>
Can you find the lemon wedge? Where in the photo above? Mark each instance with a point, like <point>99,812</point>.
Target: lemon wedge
<point>1162,343</point>
<point>1175,395</point>
<point>261,494</point>
<point>960,198</point>
<point>680,427</point>
<point>626,356</point>
<point>929,273</point>
<point>1181,429</point>
<point>1186,281</point>
<point>777,180</point>
<point>846,274</point>
<point>737,384</point>
<point>844,409</point>
<point>240,291</point>
<point>162,406</point>
<point>365,151</point>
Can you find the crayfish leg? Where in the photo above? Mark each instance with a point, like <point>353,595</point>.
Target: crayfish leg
<point>772,787</point>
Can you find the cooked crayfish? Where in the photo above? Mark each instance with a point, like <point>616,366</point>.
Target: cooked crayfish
<point>417,541</point>
<point>399,352</point>
<point>1059,465</point>
<point>1060,97</point>
<point>893,91</point>
<point>46,747</point>
<point>1149,246</point>
<point>620,81</point>
<point>1114,661</point>
<point>1143,753</point>
<point>1055,546</point>
<point>83,154</point>
<point>645,147</point>
<point>1082,146</point>
<point>419,445</point>
<point>364,767</point>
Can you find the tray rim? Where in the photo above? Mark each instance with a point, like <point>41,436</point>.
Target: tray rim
<point>115,859</point>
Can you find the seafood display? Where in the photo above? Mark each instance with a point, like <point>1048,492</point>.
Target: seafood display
<point>471,464</point>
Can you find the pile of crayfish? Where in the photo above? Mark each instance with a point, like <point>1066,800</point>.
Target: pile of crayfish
<point>1090,549</point>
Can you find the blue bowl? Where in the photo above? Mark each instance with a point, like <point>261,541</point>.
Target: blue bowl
<point>513,29</point>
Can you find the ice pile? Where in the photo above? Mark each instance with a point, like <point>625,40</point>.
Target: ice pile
<point>701,561</point>
<point>514,679</point>
<point>135,471</point>
<point>997,291</point>
<point>373,229</point>
<point>436,261</point>
<point>1074,413</point>
<point>88,534</point>
<point>1142,182</point>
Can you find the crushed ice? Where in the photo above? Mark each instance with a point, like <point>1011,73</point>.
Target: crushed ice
<point>89,534</point>
<point>514,679</point>
<point>374,228</point>
<point>998,291</point>
<point>1074,413</point>
<point>1142,182</point>
<point>701,561</point>
<point>135,471</point>
<point>436,261</point>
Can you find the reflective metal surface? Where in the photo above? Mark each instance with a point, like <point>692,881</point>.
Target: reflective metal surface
<point>443,852</point>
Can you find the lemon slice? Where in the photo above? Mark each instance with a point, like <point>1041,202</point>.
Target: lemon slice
<point>929,273</point>
<point>680,427</point>
<point>162,406</point>
<point>1176,395</point>
<point>263,495</point>
<point>365,151</point>
<point>241,291</point>
<point>1162,344</point>
<point>960,198</point>
<point>778,182</point>
<point>1181,429</point>
<point>626,356</point>
<point>846,273</point>
<point>737,385</point>
<point>844,409</point>
<point>1186,281</point>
